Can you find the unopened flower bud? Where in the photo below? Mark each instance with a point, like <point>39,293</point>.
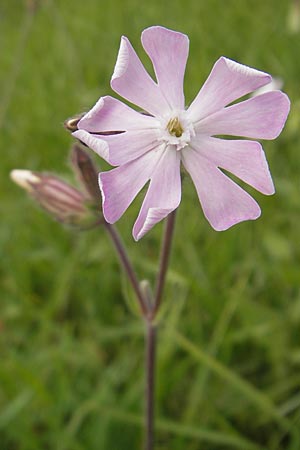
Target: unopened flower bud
<point>71,123</point>
<point>86,172</point>
<point>65,203</point>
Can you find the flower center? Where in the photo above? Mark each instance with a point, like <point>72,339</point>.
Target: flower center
<point>174,127</point>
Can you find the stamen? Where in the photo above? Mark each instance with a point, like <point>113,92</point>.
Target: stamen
<point>174,127</point>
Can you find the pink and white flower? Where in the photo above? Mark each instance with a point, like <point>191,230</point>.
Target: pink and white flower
<point>153,147</point>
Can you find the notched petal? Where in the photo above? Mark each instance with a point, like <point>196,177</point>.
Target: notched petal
<point>244,159</point>
<point>224,203</point>
<point>168,51</point>
<point>120,186</point>
<point>111,115</point>
<point>260,117</point>
<point>228,81</point>
<point>132,81</point>
<point>163,195</point>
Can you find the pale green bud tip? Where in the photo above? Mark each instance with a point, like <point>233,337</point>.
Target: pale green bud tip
<point>24,178</point>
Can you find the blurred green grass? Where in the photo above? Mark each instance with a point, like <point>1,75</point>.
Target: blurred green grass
<point>71,369</point>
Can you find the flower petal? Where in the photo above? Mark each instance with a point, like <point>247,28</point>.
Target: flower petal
<point>261,117</point>
<point>168,51</point>
<point>223,202</point>
<point>227,82</point>
<point>109,114</point>
<point>94,142</point>
<point>245,159</point>
<point>163,195</point>
<point>120,186</point>
<point>131,81</point>
<point>130,145</point>
<point>275,85</point>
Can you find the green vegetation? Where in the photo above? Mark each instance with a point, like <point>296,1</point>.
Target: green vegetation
<point>71,367</point>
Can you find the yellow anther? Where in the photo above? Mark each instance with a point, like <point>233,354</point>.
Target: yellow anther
<point>174,127</point>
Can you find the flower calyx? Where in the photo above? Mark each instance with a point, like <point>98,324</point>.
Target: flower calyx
<point>61,200</point>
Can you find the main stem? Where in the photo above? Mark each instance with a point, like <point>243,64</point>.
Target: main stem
<point>150,383</point>
<point>149,312</point>
<point>151,330</point>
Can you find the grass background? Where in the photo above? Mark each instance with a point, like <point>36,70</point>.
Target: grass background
<point>71,367</point>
